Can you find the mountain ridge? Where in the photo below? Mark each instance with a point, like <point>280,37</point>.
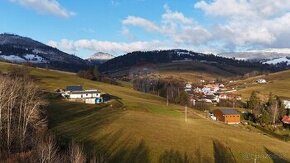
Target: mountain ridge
<point>178,60</point>
<point>19,49</point>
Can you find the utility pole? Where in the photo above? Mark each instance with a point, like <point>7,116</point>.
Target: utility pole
<point>234,102</point>
<point>167,97</point>
<point>185,113</point>
<point>275,111</point>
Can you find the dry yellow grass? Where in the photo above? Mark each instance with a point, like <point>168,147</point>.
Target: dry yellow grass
<point>146,130</point>
<point>278,84</point>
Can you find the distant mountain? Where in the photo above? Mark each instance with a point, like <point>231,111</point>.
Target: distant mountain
<point>18,49</point>
<point>182,60</point>
<point>285,60</point>
<point>99,58</point>
<point>265,54</point>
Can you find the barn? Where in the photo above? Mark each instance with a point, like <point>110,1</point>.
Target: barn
<point>229,116</point>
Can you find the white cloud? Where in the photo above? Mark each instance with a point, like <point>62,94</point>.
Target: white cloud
<point>238,25</point>
<point>249,23</point>
<point>117,48</point>
<point>115,3</point>
<point>141,22</point>
<point>46,6</point>
<point>174,25</point>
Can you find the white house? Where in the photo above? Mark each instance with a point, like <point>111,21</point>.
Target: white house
<point>261,81</point>
<point>287,104</point>
<point>207,91</point>
<point>221,85</point>
<point>83,94</point>
<point>188,87</point>
<point>87,96</point>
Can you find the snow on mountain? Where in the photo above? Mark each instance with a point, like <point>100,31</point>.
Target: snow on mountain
<point>278,60</point>
<point>25,58</point>
<point>12,58</point>
<point>29,50</point>
<point>263,54</point>
<point>100,56</point>
<point>34,58</point>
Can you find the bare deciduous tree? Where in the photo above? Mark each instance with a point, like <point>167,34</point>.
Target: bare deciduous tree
<point>47,150</point>
<point>76,154</point>
<point>20,113</point>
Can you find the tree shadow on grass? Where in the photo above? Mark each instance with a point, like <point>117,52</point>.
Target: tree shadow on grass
<point>175,156</point>
<point>138,153</point>
<point>117,148</point>
<point>276,158</point>
<point>222,154</point>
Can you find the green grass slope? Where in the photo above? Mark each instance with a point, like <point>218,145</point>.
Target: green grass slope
<point>144,129</point>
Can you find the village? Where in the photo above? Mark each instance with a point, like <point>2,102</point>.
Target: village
<point>214,94</point>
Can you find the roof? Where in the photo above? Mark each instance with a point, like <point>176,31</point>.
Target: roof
<point>74,88</point>
<point>84,92</point>
<point>286,119</point>
<point>229,111</point>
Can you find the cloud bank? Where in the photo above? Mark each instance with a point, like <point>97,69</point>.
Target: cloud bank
<point>233,25</point>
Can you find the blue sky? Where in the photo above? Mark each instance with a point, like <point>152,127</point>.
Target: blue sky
<point>121,26</point>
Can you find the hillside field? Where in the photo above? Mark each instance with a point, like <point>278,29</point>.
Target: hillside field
<point>138,127</point>
<point>278,84</point>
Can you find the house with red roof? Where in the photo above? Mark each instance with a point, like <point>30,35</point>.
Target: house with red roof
<point>286,119</point>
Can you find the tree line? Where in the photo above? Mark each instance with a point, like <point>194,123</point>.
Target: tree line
<point>269,112</point>
<point>93,74</point>
<point>170,88</point>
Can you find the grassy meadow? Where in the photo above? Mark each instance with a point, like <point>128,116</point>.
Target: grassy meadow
<point>138,127</point>
<point>278,84</point>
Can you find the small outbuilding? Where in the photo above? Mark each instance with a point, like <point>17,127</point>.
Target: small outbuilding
<point>261,81</point>
<point>229,116</point>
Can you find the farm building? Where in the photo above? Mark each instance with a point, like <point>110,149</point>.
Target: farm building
<point>229,116</point>
<point>76,93</point>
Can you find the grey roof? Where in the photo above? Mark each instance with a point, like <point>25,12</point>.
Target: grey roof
<point>229,111</point>
<point>84,92</point>
<point>74,88</point>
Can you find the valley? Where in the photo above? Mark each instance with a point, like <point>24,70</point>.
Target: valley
<point>141,128</point>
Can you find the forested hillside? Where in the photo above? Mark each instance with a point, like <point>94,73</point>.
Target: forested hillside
<point>182,60</point>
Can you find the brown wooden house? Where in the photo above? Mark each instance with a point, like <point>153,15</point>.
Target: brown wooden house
<point>229,116</point>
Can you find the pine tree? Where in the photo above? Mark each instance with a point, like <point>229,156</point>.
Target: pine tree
<point>254,104</point>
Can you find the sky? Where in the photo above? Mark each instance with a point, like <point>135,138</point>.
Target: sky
<point>121,26</point>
